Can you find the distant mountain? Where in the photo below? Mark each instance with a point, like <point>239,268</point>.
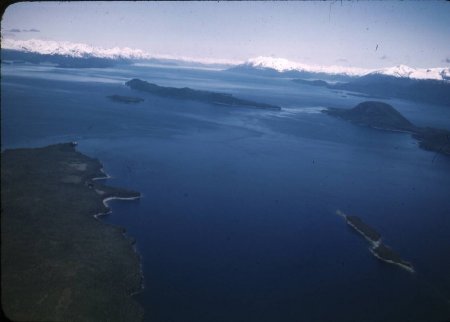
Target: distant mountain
<point>432,91</point>
<point>378,85</point>
<point>70,49</point>
<point>403,71</point>
<point>69,54</point>
<point>64,61</point>
<point>383,116</point>
<point>195,95</point>
<point>249,69</point>
<point>284,67</point>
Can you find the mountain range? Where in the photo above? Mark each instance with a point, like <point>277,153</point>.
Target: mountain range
<point>427,85</point>
<point>286,67</point>
<point>268,65</point>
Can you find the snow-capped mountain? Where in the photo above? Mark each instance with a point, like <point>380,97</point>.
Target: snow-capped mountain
<point>283,65</point>
<point>402,71</point>
<point>439,73</point>
<point>81,50</point>
<point>77,50</point>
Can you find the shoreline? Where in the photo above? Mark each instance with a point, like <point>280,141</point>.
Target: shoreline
<point>109,211</point>
<point>107,176</point>
<point>374,244</point>
<point>408,268</point>
<point>76,265</point>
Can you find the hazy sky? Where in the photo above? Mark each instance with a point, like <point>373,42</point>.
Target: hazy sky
<point>331,32</point>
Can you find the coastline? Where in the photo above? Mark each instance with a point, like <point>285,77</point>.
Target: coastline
<point>109,211</point>
<point>408,268</point>
<point>382,116</point>
<point>76,267</point>
<point>375,244</point>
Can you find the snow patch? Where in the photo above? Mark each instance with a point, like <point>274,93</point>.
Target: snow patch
<point>403,71</point>
<point>81,50</point>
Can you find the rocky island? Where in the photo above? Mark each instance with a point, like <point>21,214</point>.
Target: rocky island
<point>59,262</point>
<point>125,99</point>
<point>383,116</point>
<point>187,93</point>
<point>378,249</point>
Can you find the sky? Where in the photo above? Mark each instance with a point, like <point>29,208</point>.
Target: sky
<point>362,34</point>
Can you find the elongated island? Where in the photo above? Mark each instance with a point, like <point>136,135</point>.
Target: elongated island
<point>187,93</point>
<point>378,249</point>
<point>59,262</point>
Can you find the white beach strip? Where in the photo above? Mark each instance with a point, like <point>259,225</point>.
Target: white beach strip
<point>105,201</point>
<point>107,176</point>
<point>408,268</point>
<point>373,242</point>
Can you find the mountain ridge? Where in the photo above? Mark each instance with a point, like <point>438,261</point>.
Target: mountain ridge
<point>277,65</point>
<point>402,71</point>
<point>382,116</point>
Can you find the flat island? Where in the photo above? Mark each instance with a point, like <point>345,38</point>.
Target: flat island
<point>58,262</point>
<point>378,249</point>
<point>125,99</point>
<point>383,116</point>
<point>195,95</point>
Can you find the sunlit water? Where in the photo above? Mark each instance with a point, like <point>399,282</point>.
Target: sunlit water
<point>237,220</point>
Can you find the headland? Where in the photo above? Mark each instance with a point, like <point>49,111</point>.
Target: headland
<point>58,262</point>
<point>383,116</point>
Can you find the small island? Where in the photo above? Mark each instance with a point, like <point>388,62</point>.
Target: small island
<point>59,262</point>
<point>383,116</point>
<point>187,93</point>
<point>125,99</point>
<point>378,249</point>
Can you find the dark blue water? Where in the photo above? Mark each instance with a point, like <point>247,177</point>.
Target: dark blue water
<point>237,220</point>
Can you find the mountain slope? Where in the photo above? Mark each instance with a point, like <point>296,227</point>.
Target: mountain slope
<point>374,114</point>
<point>383,116</point>
<point>432,91</point>
<point>284,66</point>
<point>377,85</point>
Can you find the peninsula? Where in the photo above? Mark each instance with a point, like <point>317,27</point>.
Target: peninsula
<point>378,249</point>
<point>187,93</point>
<point>383,116</point>
<point>59,262</point>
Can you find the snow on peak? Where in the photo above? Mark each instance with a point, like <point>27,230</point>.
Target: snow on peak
<point>438,73</point>
<point>283,65</point>
<point>80,50</point>
<point>65,48</point>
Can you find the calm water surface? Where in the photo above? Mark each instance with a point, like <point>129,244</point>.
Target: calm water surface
<point>237,220</point>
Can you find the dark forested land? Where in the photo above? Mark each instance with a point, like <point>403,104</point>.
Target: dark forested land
<point>58,262</point>
<point>378,249</point>
<point>385,86</point>
<point>195,95</point>
<point>383,116</point>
